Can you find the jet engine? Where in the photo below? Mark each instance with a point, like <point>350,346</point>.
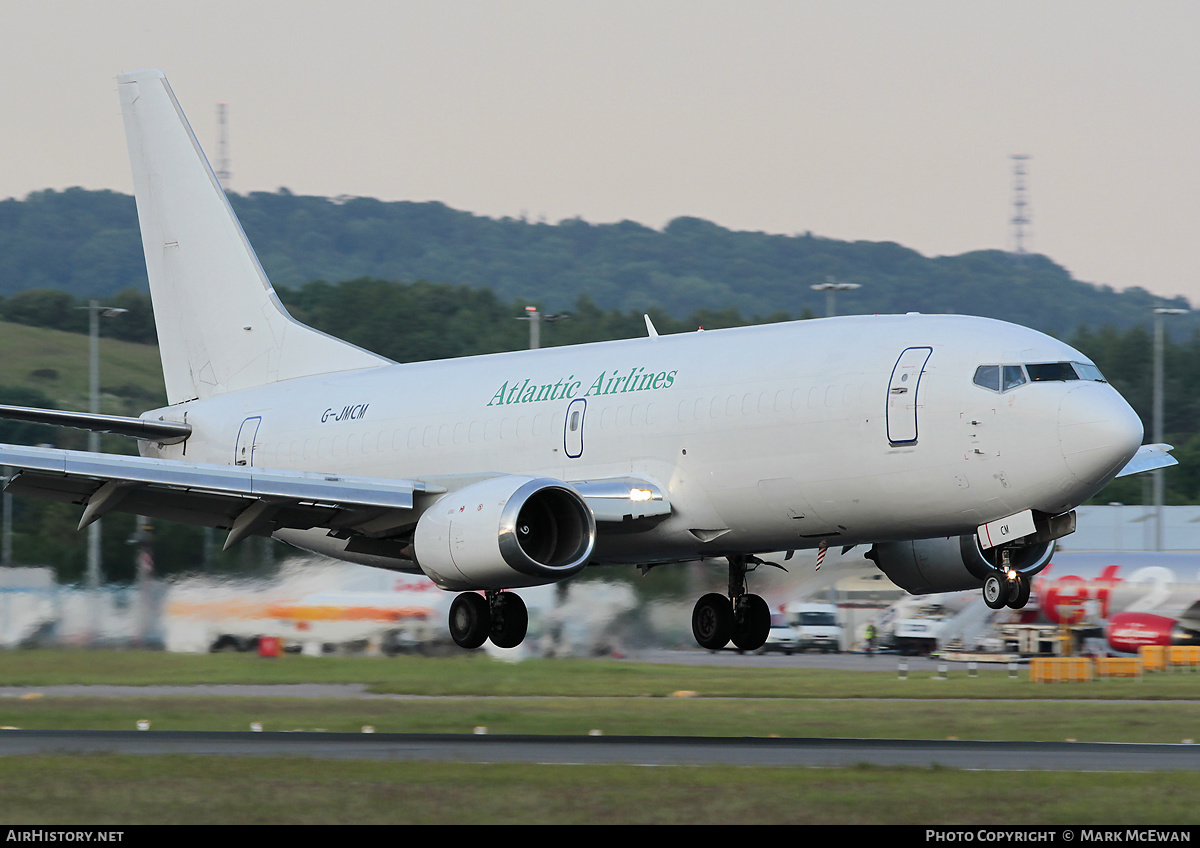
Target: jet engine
<point>1128,631</point>
<point>504,533</point>
<point>953,564</point>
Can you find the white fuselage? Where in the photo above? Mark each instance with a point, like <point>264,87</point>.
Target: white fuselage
<point>764,438</point>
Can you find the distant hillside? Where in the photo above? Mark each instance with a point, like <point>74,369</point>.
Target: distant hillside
<point>54,363</point>
<point>87,243</point>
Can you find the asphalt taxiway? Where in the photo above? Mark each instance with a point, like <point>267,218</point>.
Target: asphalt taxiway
<point>599,750</point>
<point>741,751</point>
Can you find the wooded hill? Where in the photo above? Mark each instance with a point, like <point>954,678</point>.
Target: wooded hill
<point>58,249</point>
<point>87,243</point>
<point>46,367</point>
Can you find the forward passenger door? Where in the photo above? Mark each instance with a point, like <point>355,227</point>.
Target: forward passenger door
<point>903,400</point>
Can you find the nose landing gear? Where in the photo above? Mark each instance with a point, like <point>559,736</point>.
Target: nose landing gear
<point>1006,587</point>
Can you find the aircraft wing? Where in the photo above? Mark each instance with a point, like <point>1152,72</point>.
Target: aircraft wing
<point>244,500</point>
<point>248,500</point>
<point>1148,458</point>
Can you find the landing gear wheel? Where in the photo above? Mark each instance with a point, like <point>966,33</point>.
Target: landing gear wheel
<point>510,620</point>
<point>712,621</point>
<point>470,620</point>
<point>1018,595</point>
<point>995,591</point>
<point>752,623</point>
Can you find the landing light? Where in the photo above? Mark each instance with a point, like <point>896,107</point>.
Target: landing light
<point>640,494</point>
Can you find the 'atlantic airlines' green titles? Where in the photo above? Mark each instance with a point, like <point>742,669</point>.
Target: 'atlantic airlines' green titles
<point>637,380</point>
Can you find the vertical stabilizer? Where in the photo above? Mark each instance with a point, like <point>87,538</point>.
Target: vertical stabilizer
<point>220,325</point>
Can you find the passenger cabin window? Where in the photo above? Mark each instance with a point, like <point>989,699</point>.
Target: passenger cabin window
<point>1002,378</point>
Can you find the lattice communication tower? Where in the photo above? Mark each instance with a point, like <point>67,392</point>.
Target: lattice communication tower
<point>1020,218</point>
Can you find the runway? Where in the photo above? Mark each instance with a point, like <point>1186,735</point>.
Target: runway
<point>629,750</point>
<point>596,750</point>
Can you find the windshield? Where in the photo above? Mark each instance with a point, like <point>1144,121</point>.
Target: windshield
<point>1003,378</point>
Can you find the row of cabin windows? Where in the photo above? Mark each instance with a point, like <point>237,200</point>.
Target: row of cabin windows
<point>536,426</point>
<point>1002,378</point>
<point>636,415</point>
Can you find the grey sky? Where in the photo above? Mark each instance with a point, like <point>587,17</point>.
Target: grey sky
<point>882,121</point>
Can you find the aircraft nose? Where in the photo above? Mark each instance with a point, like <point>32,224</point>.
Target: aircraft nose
<point>1098,432</point>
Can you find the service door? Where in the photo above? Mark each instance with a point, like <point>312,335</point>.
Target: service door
<point>244,452</point>
<point>573,428</point>
<point>903,401</point>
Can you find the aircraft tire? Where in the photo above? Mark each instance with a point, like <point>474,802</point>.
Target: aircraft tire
<point>470,620</point>
<point>1019,592</point>
<point>752,623</point>
<point>712,621</point>
<point>511,622</point>
<point>995,592</point>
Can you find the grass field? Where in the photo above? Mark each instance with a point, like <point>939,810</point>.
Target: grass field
<point>120,790</point>
<point>56,362</point>
<point>477,674</point>
<point>457,694</point>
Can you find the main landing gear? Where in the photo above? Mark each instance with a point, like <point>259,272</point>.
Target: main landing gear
<point>1005,587</point>
<point>499,616</point>
<point>740,618</point>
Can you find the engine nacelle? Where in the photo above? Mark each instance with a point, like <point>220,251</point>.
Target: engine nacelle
<point>1128,631</point>
<point>505,533</point>
<point>926,566</point>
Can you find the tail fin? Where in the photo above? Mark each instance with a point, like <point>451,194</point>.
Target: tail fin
<point>220,325</point>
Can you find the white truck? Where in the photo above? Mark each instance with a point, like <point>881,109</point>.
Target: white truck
<point>816,626</point>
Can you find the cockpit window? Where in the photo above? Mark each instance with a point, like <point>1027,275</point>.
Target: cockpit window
<point>1014,375</point>
<point>1087,371</point>
<point>1001,378</point>
<point>988,376</point>
<point>1051,372</point>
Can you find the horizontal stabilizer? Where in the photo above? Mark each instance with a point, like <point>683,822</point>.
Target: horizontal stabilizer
<point>1148,458</point>
<point>164,432</point>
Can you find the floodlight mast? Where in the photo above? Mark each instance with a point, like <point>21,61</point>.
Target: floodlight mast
<point>1157,474</point>
<point>831,289</point>
<point>95,313</point>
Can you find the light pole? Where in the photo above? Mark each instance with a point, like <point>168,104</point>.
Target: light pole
<point>6,532</point>
<point>535,319</point>
<point>831,288</point>
<point>95,311</point>
<point>1159,312</point>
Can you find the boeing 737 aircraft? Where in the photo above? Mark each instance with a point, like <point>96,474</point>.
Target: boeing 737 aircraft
<point>1142,598</point>
<point>956,446</point>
